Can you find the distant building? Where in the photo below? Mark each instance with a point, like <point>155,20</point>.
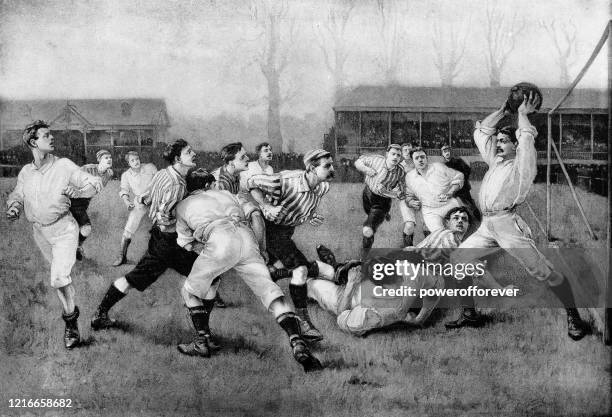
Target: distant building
<point>81,127</point>
<point>368,118</point>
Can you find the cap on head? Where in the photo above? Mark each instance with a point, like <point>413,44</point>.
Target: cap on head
<point>101,153</point>
<point>314,155</point>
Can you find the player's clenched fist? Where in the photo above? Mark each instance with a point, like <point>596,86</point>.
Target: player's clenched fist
<point>271,212</point>
<point>316,220</point>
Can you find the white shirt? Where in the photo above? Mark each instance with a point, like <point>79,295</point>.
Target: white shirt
<point>507,182</point>
<point>136,183</point>
<point>39,190</point>
<point>436,180</point>
<point>253,169</point>
<point>199,212</point>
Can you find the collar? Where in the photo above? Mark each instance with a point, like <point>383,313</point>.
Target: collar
<point>424,172</point>
<point>501,161</point>
<point>173,172</point>
<point>303,186</point>
<point>48,162</point>
<point>223,171</point>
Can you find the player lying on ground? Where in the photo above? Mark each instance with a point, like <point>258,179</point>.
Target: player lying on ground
<point>79,205</point>
<point>357,315</point>
<point>213,225</point>
<point>287,200</point>
<point>134,183</point>
<point>511,156</point>
<point>167,189</point>
<point>439,246</point>
<point>41,192</point>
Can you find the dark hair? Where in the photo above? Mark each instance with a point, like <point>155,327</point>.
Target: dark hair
<point>30,133</point>
<point>417,149</point>
<point>407,144</point>
<point>228,152</point>
<point>454,210</point>
<point>173,150</point>
<point>198,179</point>
<point>261,145</point>
<point>508,131</point>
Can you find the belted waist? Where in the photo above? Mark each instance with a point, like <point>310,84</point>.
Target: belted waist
<point>60,217</point>
<point>202,233</point>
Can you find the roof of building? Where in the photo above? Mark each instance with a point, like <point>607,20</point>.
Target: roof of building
<point>459,99</point>
<point>16,114</point>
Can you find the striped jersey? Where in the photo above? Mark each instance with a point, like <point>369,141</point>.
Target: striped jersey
<point>167,189</point>
<point>226,181</point>
<point>92,169</point>
<point>387,182</point>
<point>290,190</point>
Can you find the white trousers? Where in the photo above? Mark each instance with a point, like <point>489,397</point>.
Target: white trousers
<point>506,231</point>
<point>232,247</point>
<point>134,218</point>
<point>58,244</point>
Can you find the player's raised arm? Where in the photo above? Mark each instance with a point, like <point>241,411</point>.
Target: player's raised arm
<point>526,154</point>
<point>484,134</point>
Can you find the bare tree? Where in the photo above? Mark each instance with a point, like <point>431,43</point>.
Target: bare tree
<point>273,56</point>
<point>449,42</point>
<point>563,35</point>
<point>332,40</point>
<point>391,38</point>
<point>501,35</point>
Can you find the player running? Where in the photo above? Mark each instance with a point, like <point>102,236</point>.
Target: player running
<point>41,192</point>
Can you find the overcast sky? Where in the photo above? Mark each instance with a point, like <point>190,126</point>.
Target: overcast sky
<point>198,54</point>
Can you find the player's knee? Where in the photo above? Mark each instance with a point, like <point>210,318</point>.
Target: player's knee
<point>409,228</point>
<point>299,275</point>
<point>85,230</point>
<point>367,231</point>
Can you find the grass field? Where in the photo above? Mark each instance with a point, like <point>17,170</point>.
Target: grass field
<point>521,363</point>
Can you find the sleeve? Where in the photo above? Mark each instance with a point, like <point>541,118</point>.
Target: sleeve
<point>268,184</point>
<point>183,231</point>
<point>486,143</point>
<point>410,195</point>
<point>80,178</point>
<point>15,198</point>
<point>167,202</point>
<point>454,177</point>
<point>359,320</point>
<point>526,162</point>
<point>124,188</point>
<point>222,184</point>
<point>146,195</point>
